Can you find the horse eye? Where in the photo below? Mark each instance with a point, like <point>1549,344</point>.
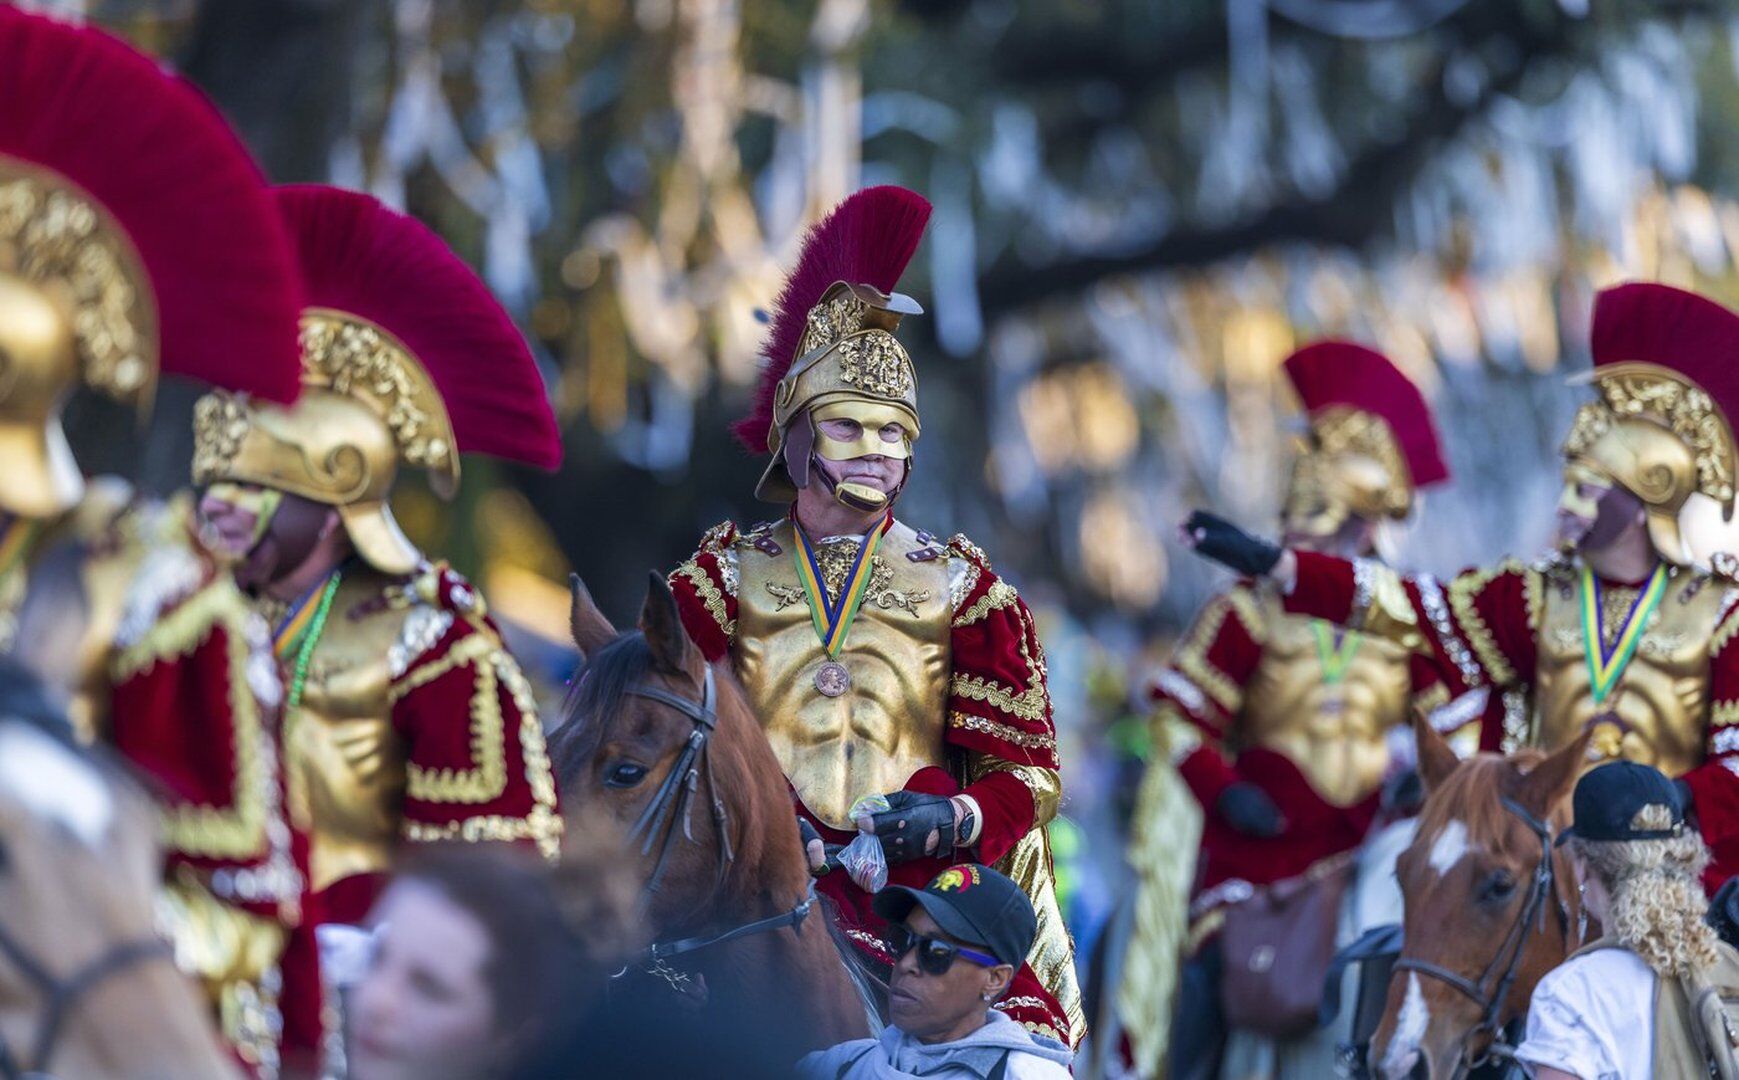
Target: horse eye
<point>625,775</point>
<point>1499,887</point>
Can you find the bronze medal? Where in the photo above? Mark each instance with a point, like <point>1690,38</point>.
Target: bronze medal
<point>832,679</point>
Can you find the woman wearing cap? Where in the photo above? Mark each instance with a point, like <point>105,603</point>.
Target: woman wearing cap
<point>1638,866</point>
<point>957,943</point>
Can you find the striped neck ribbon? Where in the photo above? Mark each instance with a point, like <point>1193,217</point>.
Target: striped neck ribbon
<point>288,636</point>
<point>1606,665</point>
<point>833,619</point>
<point>1335,648</point>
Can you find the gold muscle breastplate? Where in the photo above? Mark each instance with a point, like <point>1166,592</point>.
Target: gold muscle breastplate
<point>1335,732</point>
<point>345,760</point>
<point>889,722</point>
<point>1662,698</point>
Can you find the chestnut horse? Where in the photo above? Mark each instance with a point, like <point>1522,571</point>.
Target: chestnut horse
<point>1491,906</point>
<point>86,987</point>
<point>664,748</point>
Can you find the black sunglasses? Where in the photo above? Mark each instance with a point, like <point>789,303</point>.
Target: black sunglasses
<point>935,956</point>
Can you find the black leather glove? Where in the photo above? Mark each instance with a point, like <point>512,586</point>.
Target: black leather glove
<point>1216,538</point>
<point>1249,810</point>
<point>814,850</point>
<point>1724,911</point>
<point>906,826</point>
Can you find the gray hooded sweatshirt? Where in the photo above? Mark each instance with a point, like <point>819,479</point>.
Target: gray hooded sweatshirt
<point>977,1057</point>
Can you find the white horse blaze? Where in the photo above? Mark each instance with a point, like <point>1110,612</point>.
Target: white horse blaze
<point>1409,1028</point>
<point>53,782</point>
<point>1450,845</point>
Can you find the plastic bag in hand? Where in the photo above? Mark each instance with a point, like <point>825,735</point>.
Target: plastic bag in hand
<point>863,858</point>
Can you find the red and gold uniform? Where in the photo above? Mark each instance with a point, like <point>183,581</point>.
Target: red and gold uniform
<point>136,236</point>
<point>1292,706</point>
<point>406,718</point>
<point>938,685</point>
<point>1648,664</point>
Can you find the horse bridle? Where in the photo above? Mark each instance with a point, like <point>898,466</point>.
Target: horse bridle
<point>1493,984</point>
<point>63,995</point>
<point>674,800</point>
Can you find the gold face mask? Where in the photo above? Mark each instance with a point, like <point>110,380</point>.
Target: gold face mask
<point>1572,501</point>
<point>880,429</point>
<point>261,502</point>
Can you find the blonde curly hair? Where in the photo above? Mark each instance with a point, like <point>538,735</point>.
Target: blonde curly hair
<point>1655,897</point>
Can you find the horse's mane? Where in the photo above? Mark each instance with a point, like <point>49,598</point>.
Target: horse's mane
<point>597,690</point>
<point>1473,794</point>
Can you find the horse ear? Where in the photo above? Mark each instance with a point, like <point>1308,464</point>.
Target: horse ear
<point>661,622</point>
<point>590,629</point>
<point>1550,782</point>
<point>1436,757</point>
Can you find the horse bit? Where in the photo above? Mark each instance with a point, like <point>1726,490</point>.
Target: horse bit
<point>672,802</point>
<point>63,994</point>
<point>1513,945</point>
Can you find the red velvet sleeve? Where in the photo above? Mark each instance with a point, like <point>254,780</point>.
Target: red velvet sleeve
<point>1715,783</point>
<point>998,703</point>
<point>477,767</point>
<point>706,594</point>
<point>1204,685</point>
<point>1478,628</point>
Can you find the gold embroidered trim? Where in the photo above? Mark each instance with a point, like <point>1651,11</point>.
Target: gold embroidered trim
<point>539,776</point>
<point>179,632</point>
<point>1463,590</point>
<point>1000,595</point>
<point>967,548</point>
<point>1431,698</point>
<point>239,830</point>
<point>1045,785</point>
<point>1727,629</point>
<point>488,778</point>
<point>1006,732</point>
<point>1032,703</point>
<point>1724,714</point>
<point>710,596</point>
<point>542,826</point>
<point>1191,657</point>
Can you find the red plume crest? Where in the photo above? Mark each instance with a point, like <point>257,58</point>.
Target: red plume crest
<point>867,240</point>
<point>1678,330</point>
<point>360,257</point>
<point>1330,373</point>
<point>157,156</point>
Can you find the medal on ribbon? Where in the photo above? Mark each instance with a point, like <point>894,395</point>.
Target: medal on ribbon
<point>833,619</point>
<point>1606,665</point>
<point>1335,650</point>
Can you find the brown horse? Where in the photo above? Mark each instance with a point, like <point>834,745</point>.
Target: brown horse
<point>665,748</point>
<point>1491,905</point>
<point>86,988</point>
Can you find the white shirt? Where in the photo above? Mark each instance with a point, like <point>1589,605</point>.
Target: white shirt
<point>1593,1017</point>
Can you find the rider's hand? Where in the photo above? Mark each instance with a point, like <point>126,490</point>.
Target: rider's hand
<point>1216,538</point>
<point>814,851</point>
<point>915,825</point>
<point>1248,810</point>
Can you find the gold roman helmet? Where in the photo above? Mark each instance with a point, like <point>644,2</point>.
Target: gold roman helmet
<point>407,359</point>
<point>366,404</point>
<point>1371,443</point>
<point>1657,436</point>
<point>832,354</point>
<point>850,367</point>
<point>1666,380</point>
<point>75,302</point>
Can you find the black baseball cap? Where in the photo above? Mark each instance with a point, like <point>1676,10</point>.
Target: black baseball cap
<point>973,903</point>
<point>1608,797</point>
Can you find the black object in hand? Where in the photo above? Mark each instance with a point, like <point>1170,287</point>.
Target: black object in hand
<point>1218,539</point>
<point>905,827</point>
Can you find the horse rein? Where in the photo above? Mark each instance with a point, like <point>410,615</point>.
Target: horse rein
<point>673,801</point>
<point>63,995</point>
<point>1509,953</point>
